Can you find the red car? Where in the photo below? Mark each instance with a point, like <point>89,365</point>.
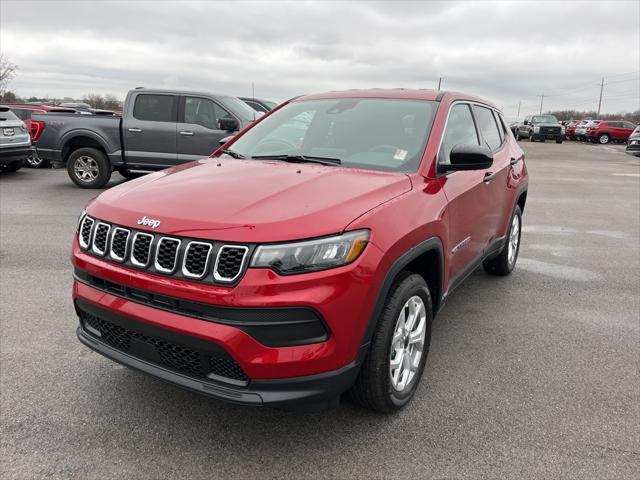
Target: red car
<point>309,254</point>
<point>610,130</point>
<point>34,127</point>
<point>570,129</point>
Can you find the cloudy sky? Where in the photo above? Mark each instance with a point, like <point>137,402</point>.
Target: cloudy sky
<point>509,52</point>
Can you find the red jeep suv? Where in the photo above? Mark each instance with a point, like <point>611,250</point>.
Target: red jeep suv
<point>308,256</point>
<point>609,130</point>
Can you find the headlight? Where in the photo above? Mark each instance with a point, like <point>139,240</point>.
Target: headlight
<point>312,255</point>
<point>536,129</point>
<point>562,130</point>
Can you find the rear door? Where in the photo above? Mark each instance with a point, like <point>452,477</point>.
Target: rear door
<point>495,179</point>
<point>198,130</point>
<point>149,130</point>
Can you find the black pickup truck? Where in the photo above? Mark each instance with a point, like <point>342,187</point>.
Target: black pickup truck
<point>158,129</point>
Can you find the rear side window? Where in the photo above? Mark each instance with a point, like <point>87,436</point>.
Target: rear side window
<point>628,125</point>
<point>155,108</point>
<point>460,130</point>
<point>488,126</point>
<point>7,115</point>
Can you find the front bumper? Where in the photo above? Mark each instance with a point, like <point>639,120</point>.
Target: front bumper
<point>320,390</point>
<point>14,154</point>
<point>633,148</point>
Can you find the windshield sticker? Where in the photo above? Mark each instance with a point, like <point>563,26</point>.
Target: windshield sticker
<point>400,154</point>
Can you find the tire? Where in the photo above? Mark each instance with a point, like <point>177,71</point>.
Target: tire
<point>34,161</point>
<point>375,388</point>
<point>89,168</point>
<point>129,175</point>
<point>604,139</point>
<point>504,263</point>
<point>532,137</point>
<point>559,140</point>
<point>518,136</point>
<point>11,167</point>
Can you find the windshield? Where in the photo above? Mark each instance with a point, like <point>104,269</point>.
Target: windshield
<point>544,119</point>
<point>237,106</point>
<point>369,133</point>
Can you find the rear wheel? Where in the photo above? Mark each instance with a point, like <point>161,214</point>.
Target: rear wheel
<point>11,167</point>
<point>505,261</point>
<point>604,139</point>
<point>532,138</point>
<point>89,168</point>
<point>395,361</point>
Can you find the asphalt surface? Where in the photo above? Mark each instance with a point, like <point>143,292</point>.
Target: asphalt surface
<point>530,376</point>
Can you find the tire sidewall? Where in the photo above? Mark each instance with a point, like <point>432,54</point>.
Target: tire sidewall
<point>516,213</point>
<point>604,137</point>
<point>413,285</point>
<point>104,167</point>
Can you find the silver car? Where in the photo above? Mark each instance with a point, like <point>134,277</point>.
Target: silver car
<point>15,142</point>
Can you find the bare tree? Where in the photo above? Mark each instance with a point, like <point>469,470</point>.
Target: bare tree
<point>94,99</point>
<point>7,72</point>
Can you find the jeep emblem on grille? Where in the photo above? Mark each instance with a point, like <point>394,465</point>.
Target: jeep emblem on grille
<point>150,222</point>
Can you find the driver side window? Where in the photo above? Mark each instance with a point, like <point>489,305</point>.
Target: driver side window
<point>203,112</point>
<point>460,129</point>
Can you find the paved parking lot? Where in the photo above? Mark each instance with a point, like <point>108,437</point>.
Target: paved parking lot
<point>534,375</point>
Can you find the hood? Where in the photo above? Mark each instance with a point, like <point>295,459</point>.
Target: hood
<point>546,124</point>
<point>249,200</point>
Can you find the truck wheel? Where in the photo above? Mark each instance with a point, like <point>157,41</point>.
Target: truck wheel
<point>505,261</point>
<point>393,367</point>
<point>559,140</point>
<point>604,139</point>
<point>11,167</point>
<point>89,168</point>
<point>532,137</point>
<point>518,137</point>
<point>34,161</point>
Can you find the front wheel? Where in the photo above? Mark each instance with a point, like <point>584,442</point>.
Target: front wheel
<point>604,139</point>
<point>89,168</point>
<point>532,138</point>
<point>559,140</point>
<point>505,261</point>
<point>391,372</point>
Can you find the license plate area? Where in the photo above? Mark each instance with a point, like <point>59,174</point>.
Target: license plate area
<point>8,132</point>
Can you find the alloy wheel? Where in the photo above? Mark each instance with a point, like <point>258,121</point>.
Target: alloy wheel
<point>514,239</point>
<point>407,343</point>
<point>86,169</point>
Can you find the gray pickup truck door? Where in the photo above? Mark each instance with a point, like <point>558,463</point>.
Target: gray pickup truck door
<point>198,131</point>
<point>149,130</point>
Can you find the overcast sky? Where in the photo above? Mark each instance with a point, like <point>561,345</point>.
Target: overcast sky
<point>505,51</point>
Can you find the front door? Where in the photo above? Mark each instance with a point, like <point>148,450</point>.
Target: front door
<point>470,202</point>
<point>199,133</point>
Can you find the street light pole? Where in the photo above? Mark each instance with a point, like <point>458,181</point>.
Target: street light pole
<point>600,101</point>
<point>541,100</point>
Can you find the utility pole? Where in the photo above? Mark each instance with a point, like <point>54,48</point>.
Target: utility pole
<point>519,103</point>
<point>439,83</point>
<point>600,101</point>
<point>541,100</point>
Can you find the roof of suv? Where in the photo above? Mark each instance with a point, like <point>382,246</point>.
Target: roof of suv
<point>400,93</point>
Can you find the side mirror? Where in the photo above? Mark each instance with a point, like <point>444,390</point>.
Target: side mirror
<point>469,157</point>
<point>526,122</point>
<point>228,124</point>
<point>225,140</point>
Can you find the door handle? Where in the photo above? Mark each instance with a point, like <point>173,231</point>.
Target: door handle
<point>489,176</point>
<point>514,161</point>
<point>135,130</point>
<point>187,134</point>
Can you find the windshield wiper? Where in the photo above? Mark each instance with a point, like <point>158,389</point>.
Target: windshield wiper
<point>233,154</point>
<point>299,158</point>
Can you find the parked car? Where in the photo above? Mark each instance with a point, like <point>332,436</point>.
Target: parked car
<point>158,129</point>
<point>609,130</point>
<point>271,276</point>
<point>633,143</point>
<point>24,112</point>
<point>570,129</point>
<point>581,129</point>
<point>258,104</point>
<point>540,127</point>
<point>513,126</point>
<point>15,143</point>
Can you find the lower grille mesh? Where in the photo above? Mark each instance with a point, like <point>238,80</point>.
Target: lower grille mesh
<point>173,356</point>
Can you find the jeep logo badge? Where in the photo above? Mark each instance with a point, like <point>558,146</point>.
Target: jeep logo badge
<point>149,222</point>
